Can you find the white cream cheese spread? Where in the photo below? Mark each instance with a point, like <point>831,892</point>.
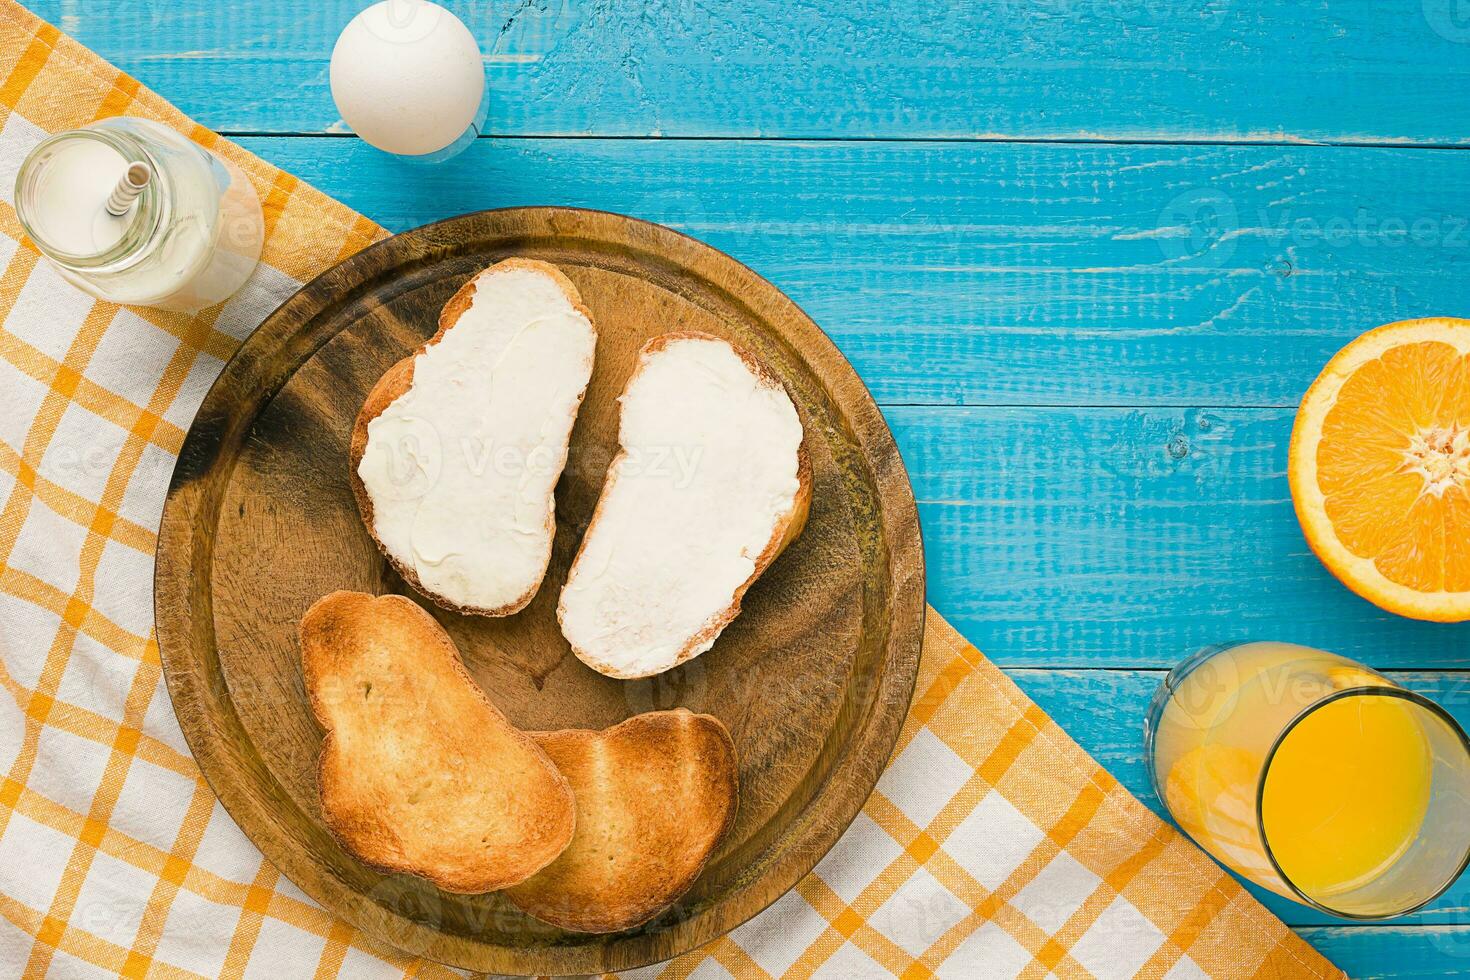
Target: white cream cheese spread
<point>462,466</point>
<point>707,474</point>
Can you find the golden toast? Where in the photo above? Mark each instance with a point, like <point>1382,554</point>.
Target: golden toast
<point>656,795</point>
<point>419,772</point>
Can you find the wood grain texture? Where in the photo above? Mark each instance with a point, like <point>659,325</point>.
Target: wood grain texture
<point>1363,70</point>
<point>812,680</point>
<point>965,273</point>
<point>1131,537</point>
<point>1374,952</point>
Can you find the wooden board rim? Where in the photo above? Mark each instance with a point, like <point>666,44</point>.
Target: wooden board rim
<point>197,690</point>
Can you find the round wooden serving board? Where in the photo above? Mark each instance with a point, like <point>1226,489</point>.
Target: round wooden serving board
<point>813,679</point>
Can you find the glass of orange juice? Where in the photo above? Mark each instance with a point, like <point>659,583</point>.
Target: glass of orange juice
<point>1313,776</point>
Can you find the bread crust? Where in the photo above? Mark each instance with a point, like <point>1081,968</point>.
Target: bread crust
<point>399,378</point>
<point>334,634</point>
<point>657,794</point>
<point>787,529</point>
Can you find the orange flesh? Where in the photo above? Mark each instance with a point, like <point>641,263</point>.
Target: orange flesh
<point>1394,466</point>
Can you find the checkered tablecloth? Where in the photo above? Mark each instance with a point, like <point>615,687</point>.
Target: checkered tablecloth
<point>993,847</point>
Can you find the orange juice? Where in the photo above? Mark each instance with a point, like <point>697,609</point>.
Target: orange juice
<point>1303,771</point>
<point>1346,793</point>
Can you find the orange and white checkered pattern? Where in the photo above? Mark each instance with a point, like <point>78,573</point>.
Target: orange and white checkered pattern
<point>993,847</point>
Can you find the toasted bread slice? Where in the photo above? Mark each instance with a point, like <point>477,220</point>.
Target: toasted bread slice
<point>711,483</point>
<point>419,772</point>
<point>457,450</point>
<point>655,796</point>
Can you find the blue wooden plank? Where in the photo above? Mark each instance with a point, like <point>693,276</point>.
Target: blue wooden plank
<point>1114,736</point>
<point>1131,537</point>
<point>1373,952</point>
<point>1010,273</point>
<point>1360,70</point>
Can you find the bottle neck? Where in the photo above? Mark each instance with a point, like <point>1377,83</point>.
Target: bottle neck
<point>61,193</point>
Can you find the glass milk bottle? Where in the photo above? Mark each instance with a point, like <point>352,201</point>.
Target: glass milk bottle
<point>187,238</point>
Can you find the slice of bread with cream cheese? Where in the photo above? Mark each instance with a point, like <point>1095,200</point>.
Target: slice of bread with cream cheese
<point>712,481</point>
<point>458,448</point>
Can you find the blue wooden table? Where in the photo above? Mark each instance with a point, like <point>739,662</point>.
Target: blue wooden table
<point>1087,254</point>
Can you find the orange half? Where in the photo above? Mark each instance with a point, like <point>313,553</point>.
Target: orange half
<point>1380,467</point>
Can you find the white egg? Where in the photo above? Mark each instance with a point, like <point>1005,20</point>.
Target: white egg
<point>407,76</point>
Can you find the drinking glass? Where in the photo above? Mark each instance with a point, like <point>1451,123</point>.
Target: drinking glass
<point>1313,776</point>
